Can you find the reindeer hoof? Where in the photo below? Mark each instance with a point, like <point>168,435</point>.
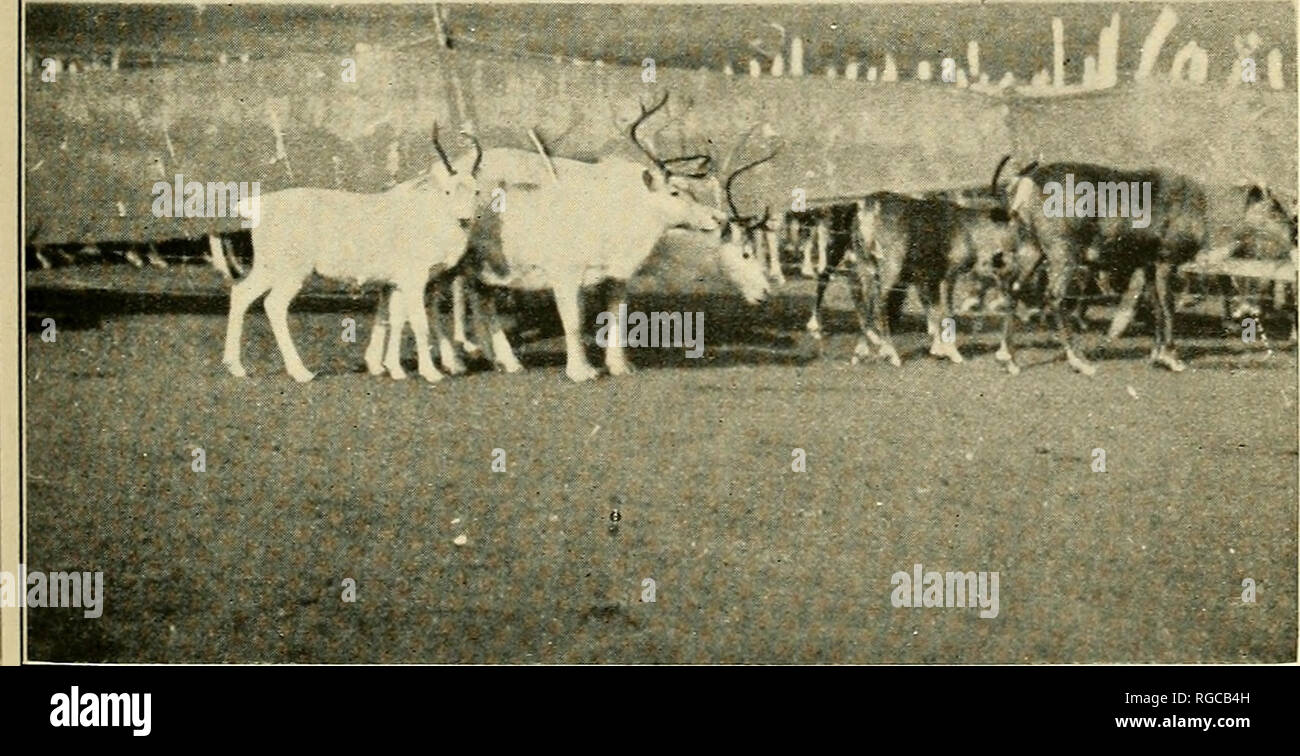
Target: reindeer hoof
<point>580,374</point>
<point>619,369</point>
<point>889,353</point>
<point>236,369</point>
<point>302,376</point>
<point>454,366</point>
<point>396,373</point>
<point>470,348</point>
<point>1082,367</point>
<point>814,328</point>
<point>374,368</point>
<point>1169,361</point>
<point>512,366</point>
<point>1012,367</point>
<point>431,375</point>
<point>949,351</point>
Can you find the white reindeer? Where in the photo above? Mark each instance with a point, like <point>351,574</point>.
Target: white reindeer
<point>596,222</point>
<point>397,237</point>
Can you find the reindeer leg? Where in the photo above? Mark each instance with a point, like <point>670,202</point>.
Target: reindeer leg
<point>814,325</point>
<point>615,357</point>
<point>862,277</point>
<point>1017,278</point>
<point>774,271</point>
<point>447,356</point>
<point>1004,354</point>
<point>378,332</point>
<point>277,311</point>
<point>1060,275</point>
<point>823,238</point>
<point>891,270</point>
<point>1128,304</point>
<point>458,318</point>
<point>488,328</point>
<point>1165,353</point>
<point>567,301</point>
<point>242,295</point>
<point>936,312</point>
<point>805,246</point>
<point>418,315</point>
<point>396,332</point>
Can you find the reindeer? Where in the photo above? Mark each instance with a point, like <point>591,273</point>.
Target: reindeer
<point>570,224</point>
<point>399,237</point>
<point>1176,229</point>
<point>894,241</point>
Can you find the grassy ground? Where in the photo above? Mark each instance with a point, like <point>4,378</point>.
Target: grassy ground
<point>954,467</point>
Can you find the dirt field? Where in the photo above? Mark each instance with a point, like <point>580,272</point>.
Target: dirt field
<point>954,467</point>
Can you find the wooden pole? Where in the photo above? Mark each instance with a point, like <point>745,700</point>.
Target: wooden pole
<point>973,58</point>
<point>1165,23</point>
<point>1058,53</point>
<point>890,73</point>
<point>1275,69</point>
<point>1108,54</point>
<point>438,27</point>
<point>1181,59</point>
<point>796,56</point>
<point>1199,67</point>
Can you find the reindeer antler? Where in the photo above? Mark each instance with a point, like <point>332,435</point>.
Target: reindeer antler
<point>478,152</point>
<point>640,120</point>
<point>438,147</point>
<point>993,188</point>
<point>541,150</point>
<point>701,171</point>
<point>730,179</point>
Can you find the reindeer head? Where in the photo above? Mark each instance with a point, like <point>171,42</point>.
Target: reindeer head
<point>1268,226</point>
<point>739,259</point>
<point>668,196</point>
<point>738,252</point>
<point>458,190</point>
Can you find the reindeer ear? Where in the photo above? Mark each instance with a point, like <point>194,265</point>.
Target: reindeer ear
<point>648,178</point>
